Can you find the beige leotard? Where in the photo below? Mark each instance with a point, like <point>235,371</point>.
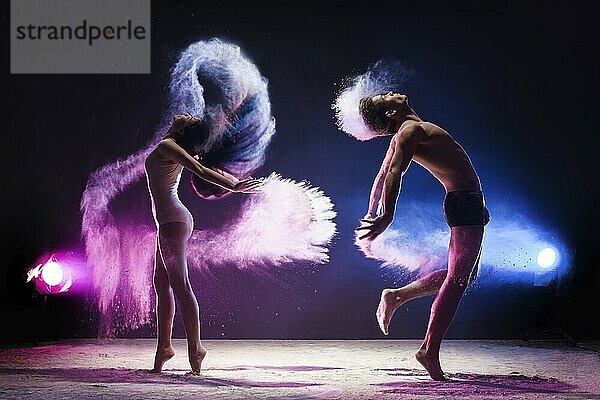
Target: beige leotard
<point>163,177</point>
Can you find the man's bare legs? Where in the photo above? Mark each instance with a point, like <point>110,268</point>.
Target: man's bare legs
<point>392,299</point>
<point>172,244</point>
<point>465,246</point>
<point>165,312</point>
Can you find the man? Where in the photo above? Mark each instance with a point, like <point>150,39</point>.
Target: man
<point>433,148</point>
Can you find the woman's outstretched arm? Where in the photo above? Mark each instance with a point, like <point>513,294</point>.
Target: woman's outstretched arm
<point>169,148</point>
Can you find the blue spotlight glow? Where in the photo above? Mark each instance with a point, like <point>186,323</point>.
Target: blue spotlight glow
<point>546,258</point>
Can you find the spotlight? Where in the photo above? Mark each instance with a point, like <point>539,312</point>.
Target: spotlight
<point>50,277</point>
<point>52,273</point>
<point>546,258</point>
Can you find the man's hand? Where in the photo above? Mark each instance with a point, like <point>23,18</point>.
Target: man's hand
<point>374,226</point>
<point>369,216</point>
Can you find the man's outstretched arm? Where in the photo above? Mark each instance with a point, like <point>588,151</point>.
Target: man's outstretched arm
<point>377,189</point>
<point>393,181</point>
<point>404,146</point>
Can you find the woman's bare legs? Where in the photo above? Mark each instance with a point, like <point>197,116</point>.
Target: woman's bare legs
<point>392,299</point>
<point>465,247</point>
<point>165,312</point>
<point>173,244</point>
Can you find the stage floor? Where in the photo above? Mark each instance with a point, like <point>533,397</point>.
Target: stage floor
<point>275,369</point>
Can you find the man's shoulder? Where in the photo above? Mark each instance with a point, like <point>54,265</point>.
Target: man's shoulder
<point>414,131</point>
<point>430,127</point>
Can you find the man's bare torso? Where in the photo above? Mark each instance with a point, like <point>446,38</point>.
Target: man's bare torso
<point>443,157</point>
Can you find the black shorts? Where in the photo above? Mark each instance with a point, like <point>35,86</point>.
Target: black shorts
<point>465,207</point>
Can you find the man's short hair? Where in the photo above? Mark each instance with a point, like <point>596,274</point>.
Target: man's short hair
<point>373,114</point>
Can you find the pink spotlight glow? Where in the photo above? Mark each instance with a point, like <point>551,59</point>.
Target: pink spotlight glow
<point>52,273</point>
<point>51,277</point>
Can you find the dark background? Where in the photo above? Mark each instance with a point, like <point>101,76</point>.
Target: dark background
<point>516,85</point>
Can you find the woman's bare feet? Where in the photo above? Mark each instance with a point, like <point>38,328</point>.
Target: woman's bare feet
<point>196,358</point>
<point>391,299</point>
<point>162,356</point>
<point>431,362</point>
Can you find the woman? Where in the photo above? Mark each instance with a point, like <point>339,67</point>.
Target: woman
<point>164,166</point>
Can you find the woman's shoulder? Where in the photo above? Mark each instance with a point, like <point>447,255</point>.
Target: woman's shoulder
<point>154,157</point>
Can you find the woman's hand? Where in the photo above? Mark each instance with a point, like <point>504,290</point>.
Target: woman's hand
<point>249,185</point>
<point>227,175</point>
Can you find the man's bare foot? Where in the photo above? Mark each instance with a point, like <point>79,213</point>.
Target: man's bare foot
<point>162,356</point>
<point>431,364</point>
<point>391,299</point>
<point>196,358</point>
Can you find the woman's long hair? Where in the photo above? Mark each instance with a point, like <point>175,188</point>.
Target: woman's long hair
<point>217,83</point>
